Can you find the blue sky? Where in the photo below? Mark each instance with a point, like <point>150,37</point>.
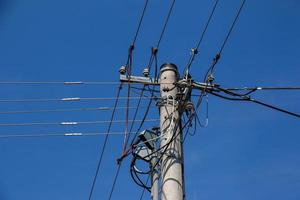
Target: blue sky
<point>247,152</point>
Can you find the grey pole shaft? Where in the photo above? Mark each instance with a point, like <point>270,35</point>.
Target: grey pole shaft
<point>171,163</point>
<point>154,179</point>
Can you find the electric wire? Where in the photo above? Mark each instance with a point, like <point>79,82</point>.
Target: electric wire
<point>129,67</point>
<point>218,56</point>
<point>72,123</point>
<point>140,21</point>
<point>59,82</point>
<point>104,143</point>
<point>155,49</point>
<point>265,88</point>
<point>249,99</point>
<point>68,99</point>
<point>196,49</point>
<point>64,110</point>
<point>70,134</point>
<point>144,189</point>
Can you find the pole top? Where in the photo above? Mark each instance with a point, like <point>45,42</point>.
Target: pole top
<point>169,66</point>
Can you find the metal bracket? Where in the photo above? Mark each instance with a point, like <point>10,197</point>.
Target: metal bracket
<point>139,79</point>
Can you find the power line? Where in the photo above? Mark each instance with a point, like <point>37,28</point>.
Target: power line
<point>241,97</point>
<point>218,56</point>
<point>79,134</point>
<point>140,21</point>
<point>165,24</point>
<point>266,88</point>
<point>64,110</point>
<point>72,123</point>
<point>104,143</point>
<point>195,50</point>
<point>59,82</point>
<point>154,50</point>
<point>68,99</point>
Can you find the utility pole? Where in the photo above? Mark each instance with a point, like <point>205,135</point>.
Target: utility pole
<point>171,145</point>
<point>175,98</point>
<point>154,178</point>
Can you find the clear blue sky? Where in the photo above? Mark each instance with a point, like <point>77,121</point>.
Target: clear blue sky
<point>247,152</point>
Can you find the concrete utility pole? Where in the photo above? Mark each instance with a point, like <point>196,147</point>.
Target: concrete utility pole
<point>154,178</point>
<point>171,163</point>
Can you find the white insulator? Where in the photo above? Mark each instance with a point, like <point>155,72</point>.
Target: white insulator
<point>71,99</point>
<point>73,134</point>
<point>73,83</point>
<point>69,123</point>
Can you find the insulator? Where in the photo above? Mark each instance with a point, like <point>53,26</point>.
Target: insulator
<point>189,106</point>
<point>211,78</point>
<point>146,72</point>
<point>122,70</point>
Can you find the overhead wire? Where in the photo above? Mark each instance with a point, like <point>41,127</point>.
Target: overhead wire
<point>265,88</point>
<point>153,58</point>
<point>195,50</point>
<point>64,110</point>
<point>155,49</point>
<point>218,55</point>
<point>59,82</point>
<point>71,123</point>
<point>69,99</point>
<point>241,97</point>
<point>129,68</point>
<point>104,143</point>
<point>70,134</point>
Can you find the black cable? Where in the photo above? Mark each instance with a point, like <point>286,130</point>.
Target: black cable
<point>218,55</point>
<point>104,144</point>
<point>165,24</point>
<point>154,50</point>
<point>120,161</point>
<point>248,98</point>
<point>129,66</point>
<point>196,50</point>
<point>228,35</point>
<point>115,180</point>
<point>144,189</point>
<point>140,21</point>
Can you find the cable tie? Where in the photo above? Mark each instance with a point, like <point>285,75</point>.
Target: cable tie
<point>69,123</point>
<point>71,99</point>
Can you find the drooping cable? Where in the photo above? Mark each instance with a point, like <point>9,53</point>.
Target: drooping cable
<point>241,97</point>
